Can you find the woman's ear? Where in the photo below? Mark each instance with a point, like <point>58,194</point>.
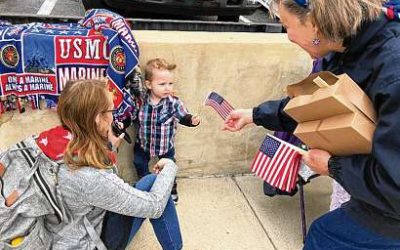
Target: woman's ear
<point>314,27</point>
<point>97,119</point>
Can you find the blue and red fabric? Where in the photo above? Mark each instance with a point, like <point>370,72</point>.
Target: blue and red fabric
<point>392,10</point>
<point>37,59</point>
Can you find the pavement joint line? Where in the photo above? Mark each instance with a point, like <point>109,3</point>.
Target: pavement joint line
<point>47,7</point>
<point>216,176</point>
<point>255,213</point>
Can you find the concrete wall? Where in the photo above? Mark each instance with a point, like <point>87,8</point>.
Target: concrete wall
<point>245,68</point>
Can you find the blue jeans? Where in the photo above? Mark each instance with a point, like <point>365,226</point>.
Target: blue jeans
<point>141,159</point>
<point>118,230</point>
<point>337,230</point>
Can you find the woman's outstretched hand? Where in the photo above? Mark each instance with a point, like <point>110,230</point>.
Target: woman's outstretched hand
<point>237,119</point>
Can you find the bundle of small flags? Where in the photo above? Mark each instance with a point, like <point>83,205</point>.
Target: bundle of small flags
<point>277,162</point>
<point>218,103</point>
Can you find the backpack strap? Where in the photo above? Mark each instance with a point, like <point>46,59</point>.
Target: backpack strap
<point>2,170</point>
<point>93,234</point>
<point>42,184</point>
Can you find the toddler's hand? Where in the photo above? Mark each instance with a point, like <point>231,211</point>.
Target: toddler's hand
<point>160,165</point>
<point>195,120</point>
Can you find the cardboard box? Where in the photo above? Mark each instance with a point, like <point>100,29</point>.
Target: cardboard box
<point>344,134</point>
<point>342,95</point>
<point>333,113</point>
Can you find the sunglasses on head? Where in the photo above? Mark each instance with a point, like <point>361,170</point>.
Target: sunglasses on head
<point>302,3</point>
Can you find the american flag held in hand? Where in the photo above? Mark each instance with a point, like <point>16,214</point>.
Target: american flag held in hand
<point>277,162</point>
<point>218,103</point>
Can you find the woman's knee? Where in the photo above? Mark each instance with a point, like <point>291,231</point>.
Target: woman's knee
<point>146,182</point>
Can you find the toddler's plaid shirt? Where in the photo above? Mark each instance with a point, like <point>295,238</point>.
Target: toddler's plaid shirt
<point>158,124</point>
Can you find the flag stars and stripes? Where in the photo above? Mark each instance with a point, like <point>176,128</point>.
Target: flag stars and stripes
<point>277,163</point>
<point>219,104</point>
<point>270,146</point>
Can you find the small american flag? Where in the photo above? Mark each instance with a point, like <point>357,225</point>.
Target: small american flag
<point>35,100</point>
<point>277,162</point>
<point>218,103</point>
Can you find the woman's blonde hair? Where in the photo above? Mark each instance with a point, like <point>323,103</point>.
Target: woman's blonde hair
<point>79,104</point>
<point>336,19</point>
<point>157,63</point>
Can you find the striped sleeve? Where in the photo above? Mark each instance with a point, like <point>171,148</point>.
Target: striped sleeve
<point>180,110</point>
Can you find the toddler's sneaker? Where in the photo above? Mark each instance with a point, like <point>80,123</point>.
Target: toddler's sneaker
<point>174,194</point>
<point>175,198</point>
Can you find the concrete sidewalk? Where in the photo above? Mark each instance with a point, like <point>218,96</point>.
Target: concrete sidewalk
<point>232,213</point>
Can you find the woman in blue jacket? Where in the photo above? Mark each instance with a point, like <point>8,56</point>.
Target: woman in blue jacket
<point>356,38</point>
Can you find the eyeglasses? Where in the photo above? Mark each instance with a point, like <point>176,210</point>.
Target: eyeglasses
<point>109,110</point>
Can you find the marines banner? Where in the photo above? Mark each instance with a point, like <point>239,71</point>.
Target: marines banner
<point>37,59</point>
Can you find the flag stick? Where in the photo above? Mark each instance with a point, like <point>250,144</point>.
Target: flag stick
<point>201,107</point>
<point>302,212</point>
<point>205,99</point>
<point>297,149</point>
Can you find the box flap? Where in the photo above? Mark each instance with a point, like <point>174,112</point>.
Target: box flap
<point>357,97</point>
<point>308,86</point>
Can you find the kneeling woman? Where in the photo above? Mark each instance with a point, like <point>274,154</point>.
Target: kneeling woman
<point>90,186</point>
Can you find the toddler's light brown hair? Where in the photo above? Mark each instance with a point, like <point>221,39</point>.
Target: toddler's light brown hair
<point>156,63</point>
